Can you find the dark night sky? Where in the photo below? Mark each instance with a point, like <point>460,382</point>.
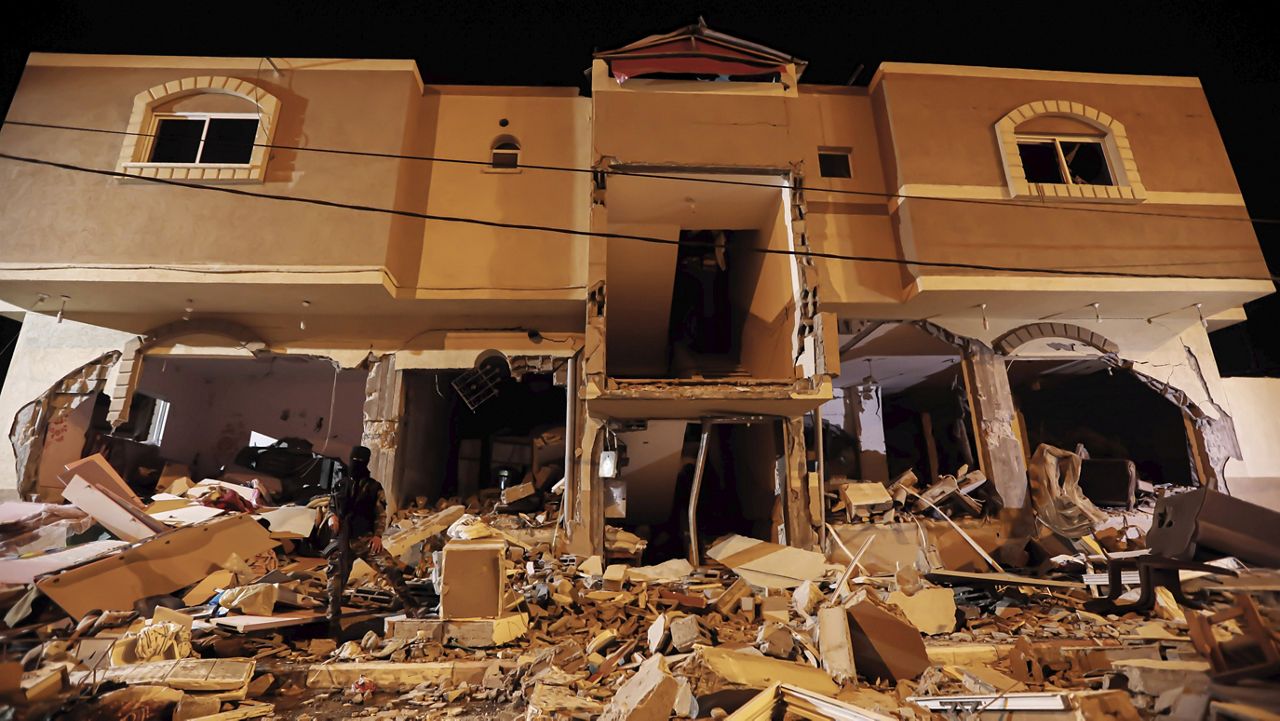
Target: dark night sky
<point>1231,49</point>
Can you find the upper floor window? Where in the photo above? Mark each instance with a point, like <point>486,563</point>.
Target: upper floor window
<point>505,154</point>
<point>1064,159</point>
<point>210,139</point>
<point>209,128</point>
<point>834,163</point>
<point>1060,149</point>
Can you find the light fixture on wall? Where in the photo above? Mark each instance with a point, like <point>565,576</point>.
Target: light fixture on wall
<point>63,308</point>
<point>188,309</point>
<point>986,325</point>
<point>869,384</point>
<point>40,298</point>
<point>302,324</point>
<point>1200,314</point>
<point>1097,314</point>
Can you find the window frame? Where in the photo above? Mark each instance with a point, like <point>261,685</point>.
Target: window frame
<point>494,150</point>
<point>1056,139</point>
<point>154,128</point>
<point>847,152</point>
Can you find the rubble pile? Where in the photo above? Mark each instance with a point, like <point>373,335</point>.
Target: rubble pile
<point>205,602</point>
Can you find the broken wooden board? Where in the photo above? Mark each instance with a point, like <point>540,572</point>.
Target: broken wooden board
<point>786,701</point>
<point>124,520</point>
<point>209,585</point>
<point>399,676</point>
<point>97,472</point>
<point>159,565</point>
<point>244,710</point>
<point>402,541</point>
<point>998,579</point>
<point>932,610</point>
<point>717,668</point>
<point>201,674</point>
<point>250,623</point>
<point>186,514</point>
<point>968,654</point>
<point>768,564</point>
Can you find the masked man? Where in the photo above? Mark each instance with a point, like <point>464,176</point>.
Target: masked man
<point>358,518</point>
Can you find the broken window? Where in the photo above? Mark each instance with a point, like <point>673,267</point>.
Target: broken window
<point>222,139</point>
<point>505,155</point>
<point>834,163</point>
<point>1064,160</point>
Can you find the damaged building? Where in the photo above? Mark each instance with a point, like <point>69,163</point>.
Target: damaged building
<point>704,313</point>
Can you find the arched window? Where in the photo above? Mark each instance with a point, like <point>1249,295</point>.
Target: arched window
<point>505,153</point>
<point>1063,149</point>
<point>201,128</point>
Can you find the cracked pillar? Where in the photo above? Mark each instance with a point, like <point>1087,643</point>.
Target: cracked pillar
<point>991,403</point>
<point>865,413</point>
<point>383,408</point>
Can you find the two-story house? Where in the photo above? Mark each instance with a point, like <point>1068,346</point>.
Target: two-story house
<point>682,270</point>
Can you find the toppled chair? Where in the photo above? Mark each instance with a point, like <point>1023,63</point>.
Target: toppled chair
<point>1255,653</point>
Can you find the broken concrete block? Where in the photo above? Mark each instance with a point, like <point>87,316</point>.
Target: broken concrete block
<point>473,579</point>
<point>614,576</point>
<point>592,567</point>
<point>885,646</point>
<point>685,631</point>
<point>932,610</point>
<point>836,644</point>
<point>806,597</point>
<point>774,639</point>
<point>718,669</point>
<point>649,695</point>
<point>658,634</point>
<point>728,601</point>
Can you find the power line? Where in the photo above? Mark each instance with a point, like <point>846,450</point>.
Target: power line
<point>596,234</point>
<point>1076,206</point>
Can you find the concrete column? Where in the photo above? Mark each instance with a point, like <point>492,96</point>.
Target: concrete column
<point>991,406</point>
<point>383,410</point>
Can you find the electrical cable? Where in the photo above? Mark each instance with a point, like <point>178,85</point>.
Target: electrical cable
<point>592,234</point>
<point>1077,205</point>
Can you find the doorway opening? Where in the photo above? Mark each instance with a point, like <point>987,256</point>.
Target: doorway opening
<point>451,450</point>
<point>1113,416</point>
<point>736,494</point>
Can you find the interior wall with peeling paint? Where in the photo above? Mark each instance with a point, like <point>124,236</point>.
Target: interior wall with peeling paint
<point>46,351</point>
<point>215,403</point>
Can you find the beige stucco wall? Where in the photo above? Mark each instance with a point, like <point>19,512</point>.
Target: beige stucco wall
<point>1255,403</point>
<point>944,142</point>
<point>138,222</point>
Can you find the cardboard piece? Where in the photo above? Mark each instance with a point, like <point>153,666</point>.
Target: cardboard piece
<point>473,579</point>
<point>768,564</point>
<point>159,565</point>
<point>98,473</point>
<point>932,610</point>
<point>885,646</point>
<point>836,644</point>
<point>649,695</point>
<point>291,521</point>
<point>186,514</point>
<point>170,475</point>
<point>893,546</point>
<point>123,519</point>
<point>209,585</point>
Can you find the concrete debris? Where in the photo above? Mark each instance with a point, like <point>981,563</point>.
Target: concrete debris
<point>902,615</point>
